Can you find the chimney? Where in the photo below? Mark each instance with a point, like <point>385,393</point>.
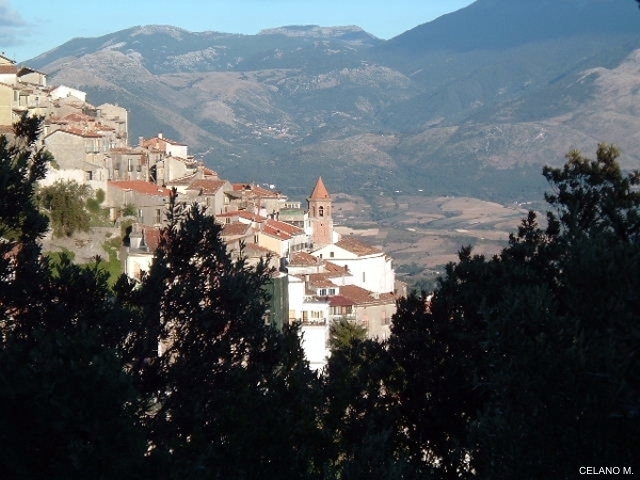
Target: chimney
<point>160,135</point>
<point>140,141</point>
<point>135,238</point>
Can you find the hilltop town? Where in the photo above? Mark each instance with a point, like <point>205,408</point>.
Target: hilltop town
<point>319,276</point>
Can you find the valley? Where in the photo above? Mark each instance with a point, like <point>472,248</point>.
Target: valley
<point>422,234</point>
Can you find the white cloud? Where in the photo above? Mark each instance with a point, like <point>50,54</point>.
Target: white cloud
<point>12,25</point>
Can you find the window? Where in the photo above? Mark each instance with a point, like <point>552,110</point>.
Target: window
<point>331,254</point>
<point>323,292</point>
<point>158,215</point>
<point>363,277</point>
<point>332,291</point>
<point>321,211</point>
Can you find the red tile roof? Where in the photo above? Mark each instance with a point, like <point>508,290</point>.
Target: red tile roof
<point>360,296</point>
<point>320,191</point>
<point>333,268</point>
<point>208,186</point>
<point>77,131</point>
<point>285,227</point>
<point>340,301</point>
<point>152,237</point>
<point>78,118</point>
<point>320,281</point>
<point>276,232</point>
<point>141,186</point>
<point>154,143</point>
<point>235,229</point>
<point>8,69</point>
<point>303,259</point>
<point>185,180</point>
<point>357,247</point>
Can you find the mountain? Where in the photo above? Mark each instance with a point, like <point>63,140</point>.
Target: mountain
<point>472,103</point>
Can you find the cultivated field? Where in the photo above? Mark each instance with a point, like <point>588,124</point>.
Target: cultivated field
<point>422,234</point>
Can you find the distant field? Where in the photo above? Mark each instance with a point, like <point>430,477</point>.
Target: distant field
<point>422,234</point>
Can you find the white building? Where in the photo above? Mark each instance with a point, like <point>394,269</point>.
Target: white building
<point>370,267</point>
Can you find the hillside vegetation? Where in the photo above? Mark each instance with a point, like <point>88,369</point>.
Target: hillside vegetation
<point>473,103</point>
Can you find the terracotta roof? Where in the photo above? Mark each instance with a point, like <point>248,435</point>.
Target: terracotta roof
<point>303,259</point>
<point>141,186</point>
<point>317,280</point>
<point>79,117</point>
<point>333,268</point>
<point>243,214</point>
<point>78,131</point>
<point>320,191</point>
<point>356,246</point>
<point>27,70</point>
<point>152,237</point>
<point>185,180</point>
<point>340,301</point>
<point>8,69</point>
<point>285,227</point>
<point>125,151</point>
<point>235,229</point>
<point>360,296</point>
<point>276,232</point>
<point>155,142</point>
<point>208,186</point>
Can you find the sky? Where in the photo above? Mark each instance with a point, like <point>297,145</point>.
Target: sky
<point>31,27</point>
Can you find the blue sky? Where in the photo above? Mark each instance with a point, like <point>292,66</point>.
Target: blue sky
<point>31,27</point>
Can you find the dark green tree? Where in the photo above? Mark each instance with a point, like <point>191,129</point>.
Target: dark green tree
<point>361,415</point>
<point>66,204</point>
<point>229,396</point>
<point>436,350</point>
<point>343,333</point>
<point>65,395</point>
<point>529,359</point>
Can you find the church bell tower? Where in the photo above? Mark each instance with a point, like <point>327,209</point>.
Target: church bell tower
<point>320,207</point>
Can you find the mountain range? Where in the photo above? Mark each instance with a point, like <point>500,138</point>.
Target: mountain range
<point>473,103</point>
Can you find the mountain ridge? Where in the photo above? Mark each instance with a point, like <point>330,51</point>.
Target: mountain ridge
<point>404,114</point>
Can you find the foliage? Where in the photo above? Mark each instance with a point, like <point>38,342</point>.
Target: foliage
<point>99,215</point>
<point>65,395</point>
<point>537,343</point>
<point>129,210</point>
<point>344,332</point>
<point>225,384</point>
<point>112,265</point>
<point>64,201</point>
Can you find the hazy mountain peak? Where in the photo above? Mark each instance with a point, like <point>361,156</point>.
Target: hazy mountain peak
<point>174,32</point>
<point>315,31</point>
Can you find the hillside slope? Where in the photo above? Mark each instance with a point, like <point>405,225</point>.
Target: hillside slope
<point>473,103</point>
